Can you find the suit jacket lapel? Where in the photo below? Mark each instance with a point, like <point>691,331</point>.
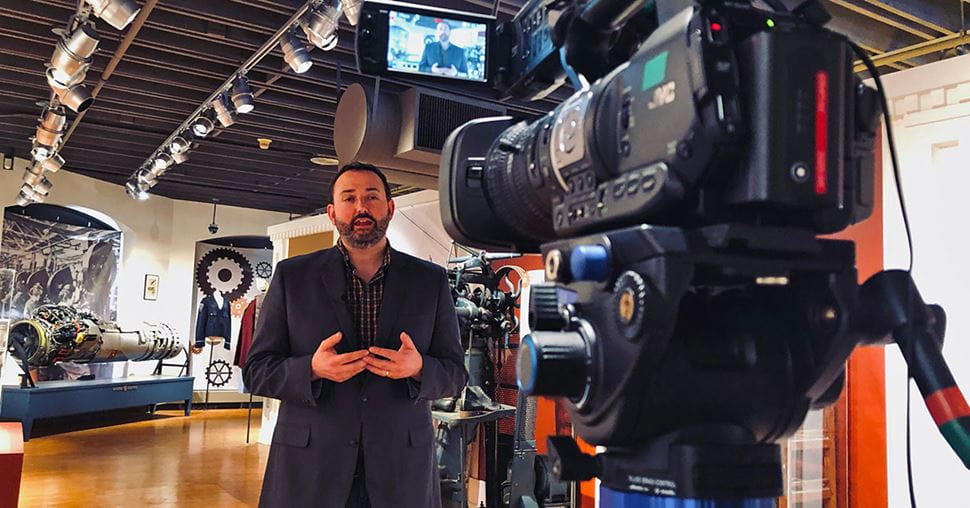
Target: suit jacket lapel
<point>333,277</point>
<point>395,288</point>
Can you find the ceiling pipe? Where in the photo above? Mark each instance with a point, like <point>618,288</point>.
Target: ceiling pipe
<point>113,63</point>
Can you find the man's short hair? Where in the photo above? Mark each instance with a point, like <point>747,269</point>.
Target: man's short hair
<point>361,166</point>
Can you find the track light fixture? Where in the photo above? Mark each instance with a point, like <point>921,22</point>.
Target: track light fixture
<point>203,125</point>
<point>295,53</point>
<point>242,95</point>
<point>77,96</point>
<point>225,115</point>
<point>72,54</point>
<point>117,13</point>
<point>320,26</point>
<point>163,161</point>
<point>29,192</point>
<point>179,144</point>
<point>351,9</point>
<point>52,164</point>
<point>23,199</point>
<point>43,187</point>
<point>41,152</point>
<point>50,127</point>
<point>33,175</point>
<point>318,19</point>
<point>145,175</point>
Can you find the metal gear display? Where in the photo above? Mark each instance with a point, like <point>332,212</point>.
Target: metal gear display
<point>264,270</point>
<point>218,373</point>
<point>225,270</point>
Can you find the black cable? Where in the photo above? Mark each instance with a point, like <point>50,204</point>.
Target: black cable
<point>909,455</point>
<point>890,139</point>
<point>883,103</point>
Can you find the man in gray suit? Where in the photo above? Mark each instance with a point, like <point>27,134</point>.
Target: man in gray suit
<point>356,340</point>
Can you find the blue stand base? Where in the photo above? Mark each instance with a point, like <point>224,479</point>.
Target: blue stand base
<point>615,499</point>
<point>60,398</point>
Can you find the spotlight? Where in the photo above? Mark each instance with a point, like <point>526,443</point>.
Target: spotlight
<point>162,162</point>
<point>180,157</point>
<point>23,199</point>
<point>117,13</point>
<point>221,106</point>
<point>33,175</point>
<point>51,126</point>
<point>145,186</point>
<point>72,55</point>
<point>41,152</point>
<point>320,26</point>
<point>351,9</point>
<point>56,84</point>
<point>242,96</point>
<point>135,191</point>
<point>145,175</point>
<point>43,187</point>
<point>202,126</point>
<point>31,194</point>
<point>295,53</point>
<point>179,144</point>
<point>77,97</point>
<point>52,164</point>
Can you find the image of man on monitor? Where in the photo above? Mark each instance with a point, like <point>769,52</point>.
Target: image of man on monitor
<point>442,57</point>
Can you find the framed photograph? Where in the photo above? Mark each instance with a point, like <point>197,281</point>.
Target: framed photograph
<point>151,287</point>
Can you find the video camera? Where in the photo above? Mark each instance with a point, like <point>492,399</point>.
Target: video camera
<point>691,315</point>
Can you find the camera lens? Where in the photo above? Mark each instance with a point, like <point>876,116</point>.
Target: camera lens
<point>515,186</point>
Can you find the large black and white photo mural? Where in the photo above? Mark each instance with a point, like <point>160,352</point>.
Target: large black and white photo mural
<point>44,262</point>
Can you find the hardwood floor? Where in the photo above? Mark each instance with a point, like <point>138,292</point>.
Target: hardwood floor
<point>162,460</point>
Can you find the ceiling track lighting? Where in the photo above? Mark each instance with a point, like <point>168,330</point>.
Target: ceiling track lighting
<point>72,54</point>
<point>203,125</point>
<point>117,13</point>
<point>65,73</point>
<point>180,143</point>
<point>295,53</point>
<point>163,161</point>
<point>50,126</point>
<point>320,26</point>
<point>52,164</point>
<point>224,113</point>
<point>351,9</point>
<point>242,95</point>
<point>319,20</point>
<point>41,152</point>
<point>76,96</point>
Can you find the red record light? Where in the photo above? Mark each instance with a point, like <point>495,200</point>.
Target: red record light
<point>716,27</point>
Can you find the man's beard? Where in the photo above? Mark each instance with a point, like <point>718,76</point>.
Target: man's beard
<point>363,239</point>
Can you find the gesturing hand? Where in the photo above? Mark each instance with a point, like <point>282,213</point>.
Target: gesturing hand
<point>405,362</point>
<point>328,364</point>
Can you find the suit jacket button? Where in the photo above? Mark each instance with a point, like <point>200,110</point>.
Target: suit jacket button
<point>353,442</point>
<point>363,398</point>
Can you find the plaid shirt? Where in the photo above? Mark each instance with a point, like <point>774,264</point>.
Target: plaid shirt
<point>364,298</point>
